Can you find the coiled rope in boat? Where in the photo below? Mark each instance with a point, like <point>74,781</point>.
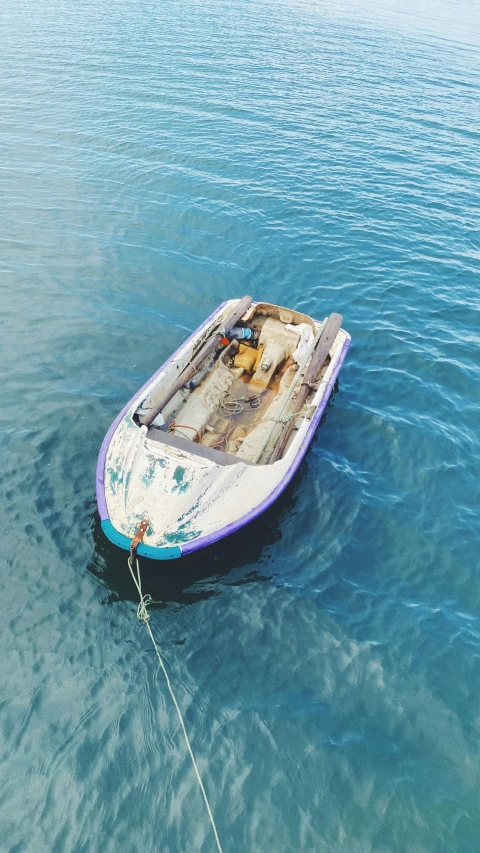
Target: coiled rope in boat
<point>144,616</point>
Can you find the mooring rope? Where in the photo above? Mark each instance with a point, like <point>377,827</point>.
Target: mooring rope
<point>144,616</point>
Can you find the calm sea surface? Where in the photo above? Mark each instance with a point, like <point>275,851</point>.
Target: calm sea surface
<point>157,158</point>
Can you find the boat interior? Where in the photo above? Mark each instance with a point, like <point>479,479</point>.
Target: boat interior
<point>236,400</point>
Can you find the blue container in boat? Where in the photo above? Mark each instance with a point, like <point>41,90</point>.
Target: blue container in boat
<point>239,334</point>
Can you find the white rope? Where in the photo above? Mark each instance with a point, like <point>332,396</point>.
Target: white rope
<point>234,406</point>
<point>144,616</point>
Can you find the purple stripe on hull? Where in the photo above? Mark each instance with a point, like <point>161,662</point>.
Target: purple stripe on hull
<point>203,541</point>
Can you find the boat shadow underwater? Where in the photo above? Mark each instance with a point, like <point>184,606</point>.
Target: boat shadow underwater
<point>243,555</point>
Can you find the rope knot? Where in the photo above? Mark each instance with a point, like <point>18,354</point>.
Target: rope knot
<point>142,613</point>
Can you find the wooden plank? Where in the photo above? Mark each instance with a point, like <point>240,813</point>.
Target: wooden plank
<point>193,448</point>
<point>320,353</point>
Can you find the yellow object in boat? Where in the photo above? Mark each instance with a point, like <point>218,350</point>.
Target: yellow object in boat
<point>246,358</point>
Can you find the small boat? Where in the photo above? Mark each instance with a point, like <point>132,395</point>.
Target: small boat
<point>216,434</point>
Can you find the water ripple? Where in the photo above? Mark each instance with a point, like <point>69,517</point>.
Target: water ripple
<point>157,159</point>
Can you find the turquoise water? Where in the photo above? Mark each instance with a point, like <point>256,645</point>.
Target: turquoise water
<point>155,159</point>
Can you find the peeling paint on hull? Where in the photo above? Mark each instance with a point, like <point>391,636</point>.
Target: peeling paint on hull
<point>191,501</point>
